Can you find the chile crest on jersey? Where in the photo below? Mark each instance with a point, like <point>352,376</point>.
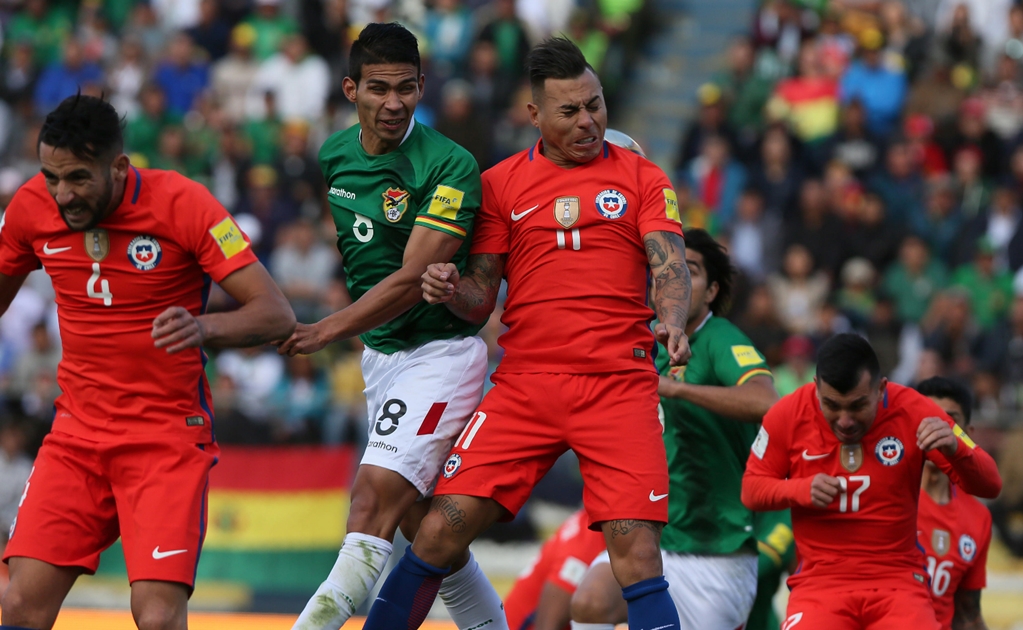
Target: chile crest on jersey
<point>144,252</point>
<point>889,450</point>
<point>611,204</point>
<point>967,547</point>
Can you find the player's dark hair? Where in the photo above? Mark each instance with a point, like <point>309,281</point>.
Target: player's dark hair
<point>718,265</point>
<point>87,126</point>
<point>941,387</point>
<point>381,43</point>
<point>842,360</point>
<point>555,58</point>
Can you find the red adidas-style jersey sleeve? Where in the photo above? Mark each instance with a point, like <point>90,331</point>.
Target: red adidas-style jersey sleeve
<point>17,257</point>
<point>970,467</point>
<point>766,485</point>
<point>659,210</point>
<point>491,234</point>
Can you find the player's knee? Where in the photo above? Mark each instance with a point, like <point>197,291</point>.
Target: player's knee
<point>20,611</point>
<point>591,606</point>
<point>159,615</point>
<point>640,561</point>
<point>435,543</point>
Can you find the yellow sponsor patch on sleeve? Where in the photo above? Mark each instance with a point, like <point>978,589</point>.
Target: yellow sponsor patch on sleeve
<point>671,205</point>
<point>746,356</point>
<point>959,433</point>
<point>446,203</point>
<point>229,237</point>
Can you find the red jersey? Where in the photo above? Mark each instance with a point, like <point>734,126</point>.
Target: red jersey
<point>955,537</point>
<point>161,247</point>
<point>563,561</point>
<point>867,535</point>
<point>576,263</point>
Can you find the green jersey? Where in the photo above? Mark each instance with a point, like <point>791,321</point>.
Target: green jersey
<point>777,551</point>
<point>377,199</point>
<point>707,452</point>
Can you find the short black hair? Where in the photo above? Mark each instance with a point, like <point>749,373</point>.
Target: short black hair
<point>87,126</point>
<point>383,42</point>
<point>842,360</point>
<point>941,387</point>
<point>555,58</point>
<point>718,265</point>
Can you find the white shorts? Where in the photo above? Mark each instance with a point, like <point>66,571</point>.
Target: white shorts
<point>710,592</point>
<point>419,400</point>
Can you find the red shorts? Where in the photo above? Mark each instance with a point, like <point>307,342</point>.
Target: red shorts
<point>81,495</point>
<point>528,420</point>
<point>867,609</point>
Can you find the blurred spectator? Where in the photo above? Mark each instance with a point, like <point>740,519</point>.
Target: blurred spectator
<point>507,33</point>
<point>881,89</point>
<point>231,168</point>
<point>914,279</point>
<point>181,76</point>
<point>271,26</point>
<point>927,157</point>
<point>142,134</point>
<point>970,131</point>
<point>65,78</point>
<point>299,80</point>
<point>953,333</point>
<point>1001,227</point>
<point>211,33</point>
<point>460,122</point>
<point>264,133</point>
<point>257,373</point>
<point>808,102</point>
<point>989,289</point>
<point>815,228</point>
<point>777,175</point>
<point>755,237</point>
<point>301,401</point>
<point>40,359</point>
<point>958,42</point>
<point>18,77</point>
<point>584,31</point>
<point>694,214</point>
<point>798,367</point>
<point>491,88</point>
<point>170,155</point>
<point>710,121</point>
<point>900,185</point>
<point>761,324</point>
<point>972,192</point>
<point>798,291</point>
<point>939,92</point>
<point>1003,100</point>
<point>143,24</point>
<point>232,76</point>
<point>264,201</point>
<point>514,131</point>
<point>45,27</point>
<point>941,222</point>
<point>448,29</point>
<point>716,178</point>
<point>233,426</point>
<point>15,468</point>
<point>905,35</point>
<point>127,76</point>
<point>301,178</point>
<point>853,145</point>
<point>303,266</point>
<point>746,85</point>
<point>1011,44</point>
<point>1002,353</point>
<point>176,15</point>
<point>855,297</point>
<point>779,24</point>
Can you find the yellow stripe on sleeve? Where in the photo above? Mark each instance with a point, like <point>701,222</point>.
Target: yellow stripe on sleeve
<point>440,225</point>
<point>754,372</point>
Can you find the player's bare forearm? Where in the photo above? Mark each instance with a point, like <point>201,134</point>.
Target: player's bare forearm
<point>9,286</point>
<point>746,403</point>
<point>967,614</point>
<point>666,255</point>
<point>391,297</point>
<point>264,315</point>
<point>476,294</point>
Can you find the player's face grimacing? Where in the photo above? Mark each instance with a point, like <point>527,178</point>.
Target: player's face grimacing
<point>86,191</point>
<point>851,414</point>
<point>385,98</point>
<point>702,295</point>
<point>571,117</point>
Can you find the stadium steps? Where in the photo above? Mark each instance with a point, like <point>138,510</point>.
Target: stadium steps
<point>685,51</point>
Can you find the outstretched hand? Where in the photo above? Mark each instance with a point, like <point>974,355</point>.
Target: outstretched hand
<point>675,340</point>
<point>935,433</point>
<point>440,282</point>
<point>306,339</point>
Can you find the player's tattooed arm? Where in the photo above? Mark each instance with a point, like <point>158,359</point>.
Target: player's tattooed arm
<point>967,611</point>
<point>672,287</point>
<point>625,527</point>
<point>471,296</point>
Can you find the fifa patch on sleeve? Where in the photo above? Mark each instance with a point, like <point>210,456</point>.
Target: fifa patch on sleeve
<point>760,444</point>
<point>959,433</point>
<point>446,203</point>
<point>671,205</point>
<point>746,356</point>
<point>229,237</point>
<point>573,570</point>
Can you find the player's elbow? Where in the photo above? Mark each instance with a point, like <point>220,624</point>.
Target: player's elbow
<point>282,320</point>
<point>990,488</point>
<point>747,497</point>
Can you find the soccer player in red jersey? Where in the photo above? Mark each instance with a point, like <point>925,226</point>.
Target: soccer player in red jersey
<point>541,598</point>
<point>846,454</point>
<point>575,225</point>
<point>131,254</point>
<point>953,528</point>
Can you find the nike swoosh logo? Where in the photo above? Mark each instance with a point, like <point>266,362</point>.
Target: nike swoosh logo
<point>657,497</point>
<point>55,250</point>
<point>160,555</point>
<point>808,457</point>
<point>516,217</point>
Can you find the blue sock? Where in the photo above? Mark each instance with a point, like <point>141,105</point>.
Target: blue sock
<point>406,596</point>
<point>650,606</point>
<point>14,628</point>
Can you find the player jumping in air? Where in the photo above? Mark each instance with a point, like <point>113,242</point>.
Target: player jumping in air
<point>846,453</point>
<point>403,196</point>
<point>711,409</point>
<point>575,224</point>
<point>953,528</point>
<point>131,253</point>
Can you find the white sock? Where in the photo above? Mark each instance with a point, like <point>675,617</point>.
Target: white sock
<point>359,564</point>
<point>592,626</point>
<point>471,600</point>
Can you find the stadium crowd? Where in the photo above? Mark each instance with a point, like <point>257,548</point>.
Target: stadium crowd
<point>863,160</point>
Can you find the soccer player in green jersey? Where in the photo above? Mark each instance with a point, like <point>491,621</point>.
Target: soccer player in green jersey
<point>711,410</point>
<point>403,196</point>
